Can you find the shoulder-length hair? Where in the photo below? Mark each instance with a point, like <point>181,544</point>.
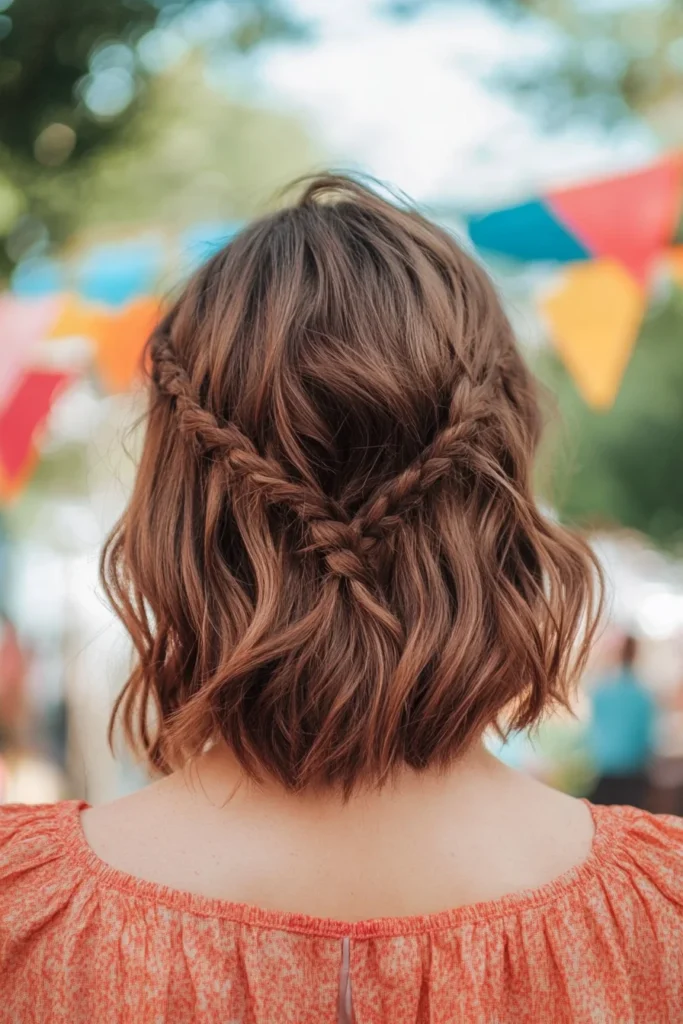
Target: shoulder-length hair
<point>332,559</point>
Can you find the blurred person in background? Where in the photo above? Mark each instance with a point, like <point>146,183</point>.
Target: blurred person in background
<point>337,580</point>
<point>622,732</point>
<point>25,774</point>
<point>667,769</point>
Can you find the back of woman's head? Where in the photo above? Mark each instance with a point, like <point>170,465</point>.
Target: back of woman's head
<point>332,559</point>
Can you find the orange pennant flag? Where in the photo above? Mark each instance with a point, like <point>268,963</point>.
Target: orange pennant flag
<point>120,339</point>
<point>594,319</point>
<point>675,261</point>
<point>119,335</point>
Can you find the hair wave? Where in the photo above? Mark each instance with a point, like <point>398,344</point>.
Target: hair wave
<point>332,559</point>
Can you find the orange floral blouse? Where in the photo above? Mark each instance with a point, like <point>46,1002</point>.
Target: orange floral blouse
<point>84,943</point>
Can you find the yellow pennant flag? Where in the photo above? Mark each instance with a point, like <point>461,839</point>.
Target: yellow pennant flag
<point>76,319</point>
<point>594,318</point>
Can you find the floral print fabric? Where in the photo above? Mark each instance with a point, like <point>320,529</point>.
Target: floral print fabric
<point>83,943</point>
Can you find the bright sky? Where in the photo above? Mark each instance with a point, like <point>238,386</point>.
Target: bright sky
<point>404,101</point>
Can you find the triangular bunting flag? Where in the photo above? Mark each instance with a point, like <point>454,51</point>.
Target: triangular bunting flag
<point>76,319</point>
<point>526,232</point>
<point>629,218</point>
<point>594,318</point>
<point>20,419</point>
<point>120,339</point>
<point>118,336</point>
<point>23,323</point>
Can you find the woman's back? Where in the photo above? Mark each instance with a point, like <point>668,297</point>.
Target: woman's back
<point>195,915</point>
<point>337,578</point>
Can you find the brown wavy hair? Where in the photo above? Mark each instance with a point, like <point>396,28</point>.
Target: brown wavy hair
<point>332,559</point>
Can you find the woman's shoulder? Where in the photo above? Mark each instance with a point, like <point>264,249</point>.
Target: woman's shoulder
<point>658,830</point>
<point>33,838</point>
<point>42,880</point>
<point>639,829</point>
<point>21,820</point>
<point>646,848</point>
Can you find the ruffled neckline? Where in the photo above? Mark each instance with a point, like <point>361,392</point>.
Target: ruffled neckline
<point>607,827</point>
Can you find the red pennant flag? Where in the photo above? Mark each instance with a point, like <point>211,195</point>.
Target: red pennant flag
<point>21,418</point>
<point>629,218</point>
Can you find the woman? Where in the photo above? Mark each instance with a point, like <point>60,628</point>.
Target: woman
<point>337,580</point>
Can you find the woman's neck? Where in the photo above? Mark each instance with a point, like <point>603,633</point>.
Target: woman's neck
<point>218,775</point>
<point>423,842</point>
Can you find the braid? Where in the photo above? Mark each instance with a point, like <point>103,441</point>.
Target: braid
<point>344,543</point>
<point>331,533</point>
<point>344,547</point>
<point>455,444</point>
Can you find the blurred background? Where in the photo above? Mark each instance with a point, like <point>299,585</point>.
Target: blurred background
<point>137,135</point>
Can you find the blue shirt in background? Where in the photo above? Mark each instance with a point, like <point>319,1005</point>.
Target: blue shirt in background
<point>622,727</point>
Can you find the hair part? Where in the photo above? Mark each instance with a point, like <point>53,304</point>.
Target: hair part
<point>332,559</point>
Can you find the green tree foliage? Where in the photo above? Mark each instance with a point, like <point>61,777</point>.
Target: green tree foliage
<point>191,154</point>
<point>612,59</point>
<point>50,53</point>
<point>72,81</point>
<point>45,56</point>
<point>617,60</point>
<point>625,466</point>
